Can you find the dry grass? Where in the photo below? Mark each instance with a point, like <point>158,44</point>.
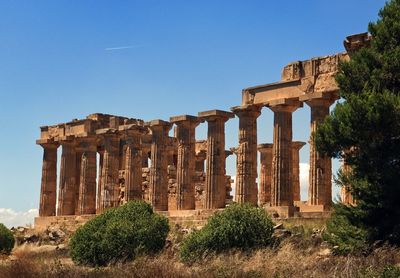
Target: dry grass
<point>287,261</point>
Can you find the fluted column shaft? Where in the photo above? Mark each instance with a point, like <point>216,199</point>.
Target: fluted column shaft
<point>296,146</point>
<point>281,185</point>
<point>265,173</point>
<point>159,165</point>
<point>68,182</point>
<point>87,185</point>
<point>109,195</point>
<point>246,166</point>
<point>133,165</point>
<point>48,190</point>
<point>320,178</point>
<point>185,170</point>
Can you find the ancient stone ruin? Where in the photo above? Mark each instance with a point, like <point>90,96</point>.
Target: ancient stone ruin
<point>108,160</point>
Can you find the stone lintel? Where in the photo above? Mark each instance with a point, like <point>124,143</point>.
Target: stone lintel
<point>67,138</point>
<point>273,86</point>
<point>157,122</point>
<point>106,131</point>
<point>329,96</point>
<point>285,102</point>
<point>216,114</point>
<point>185,118</point>
<point>132,129</point>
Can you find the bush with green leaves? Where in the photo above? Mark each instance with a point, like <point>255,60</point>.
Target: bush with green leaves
<point>240,227</point>
<point>119,234</point>
<point>6,240</point>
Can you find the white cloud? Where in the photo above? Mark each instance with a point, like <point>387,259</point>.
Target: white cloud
<point>12,218</point>
<point>121,47</point>
<point>304,173</point>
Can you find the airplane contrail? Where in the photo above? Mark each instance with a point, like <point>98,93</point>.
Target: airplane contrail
<point>121,47</point>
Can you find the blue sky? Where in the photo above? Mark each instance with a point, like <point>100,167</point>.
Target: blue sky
<point>61,60</point>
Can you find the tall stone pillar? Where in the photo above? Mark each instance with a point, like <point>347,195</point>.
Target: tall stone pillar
<point>68,182</point>
<point>265,174</point>
<point>215,188</point>
<point>100,150</point>
<point>281,185</point>
<point>296,146</point>
<point>159,164</point>
<point>320,179</point>
<point>246,171</point>
<point>87,148</point>
<point>48,190</point>
<point>133,161</point>
<point>109,194</point>
<point>185,133</point>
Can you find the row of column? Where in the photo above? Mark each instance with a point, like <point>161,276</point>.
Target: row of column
<point>279,182</point>
<point>77,186</point>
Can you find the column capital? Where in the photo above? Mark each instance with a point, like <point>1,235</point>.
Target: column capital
<point>213,115</point>
<point>265,148</point>
<point>186,120</point>
<point>284,105</point>
<point>159,125</point>
<point>131,130</point>
<point>297,145</point>
<point>253,111</point>
<point>47,143</point>
<point>320,98</point>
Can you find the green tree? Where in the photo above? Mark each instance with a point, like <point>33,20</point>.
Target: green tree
<point>119,234</point>
<point>365,131</point>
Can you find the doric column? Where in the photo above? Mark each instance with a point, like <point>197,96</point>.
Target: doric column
<point>246,166</point>
<point>215,188</point>
<point>159,164</point>
<point>281,185</point>
<point>100,150</point>
<point>133,161</point>
<point>68,182</point>
<point>48,190</point>
<point>320,179</point>
<point>109,193</point>
<point>296,146</point>
<point>265,174</point>
<point>185,134</point>
<point>87,148</point>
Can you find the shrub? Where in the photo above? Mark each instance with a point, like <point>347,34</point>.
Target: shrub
<point>119,234</point>
<point>241,227</point>
<point>6,240</point>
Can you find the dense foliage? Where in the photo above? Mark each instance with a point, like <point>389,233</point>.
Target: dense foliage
<point>119,234</point>
<point>239,227</point>
<point>6,240</point>
<point>364,130</point>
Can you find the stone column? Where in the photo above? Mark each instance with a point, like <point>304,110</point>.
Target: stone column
<point>200,159</point>
<point>320,184</point>
<point>185,133</point>
<point>99,184</point>
<point>159,165</point>
<point>87,147</point>
<point>296,146</point>
<point>265,173</point>
<point>215,188</point>
<point>110,170</point>
<point>281,185</point>
<point>48,190</point>
<point>68,182</point>
<point>246,171</point>
<point>133,161</point>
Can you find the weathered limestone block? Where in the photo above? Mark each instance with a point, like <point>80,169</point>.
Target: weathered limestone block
<point>215,189</point>
<point>48,190</point>
<point>296,146</point>
<point>265,174</point>
<point>159,162</point>
<point>87,147</point>
<point>132,135</point>
<point>68,182</point>
<point>246,165</point>
<point>109,195</point>
<point>281,185</point>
